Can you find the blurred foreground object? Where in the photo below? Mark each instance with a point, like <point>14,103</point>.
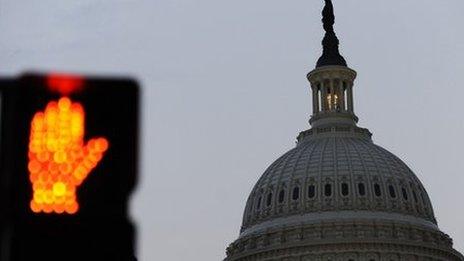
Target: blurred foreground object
<point>68,164</point>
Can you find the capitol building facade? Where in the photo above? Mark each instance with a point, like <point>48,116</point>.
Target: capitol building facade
<point>337,195</point>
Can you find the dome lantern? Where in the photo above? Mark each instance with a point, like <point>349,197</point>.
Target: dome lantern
<point>331,81</point>
<point>332,92</point>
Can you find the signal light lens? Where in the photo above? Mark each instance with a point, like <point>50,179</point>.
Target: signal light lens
<point>64,84</point>
<point>58,159</point>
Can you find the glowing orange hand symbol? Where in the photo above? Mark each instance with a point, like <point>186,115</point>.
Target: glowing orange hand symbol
<point>58,159</point>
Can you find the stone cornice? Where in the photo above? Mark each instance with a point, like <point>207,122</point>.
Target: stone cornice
<point>331,72</point>
<point>360,217</point>
<point>332,131</point>
<point>338,237</point>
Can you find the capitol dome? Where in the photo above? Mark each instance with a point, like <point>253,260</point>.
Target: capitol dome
<point>337,195</point>
<point>336,170</point>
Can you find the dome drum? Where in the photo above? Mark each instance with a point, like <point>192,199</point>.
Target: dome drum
<point>355,240</point>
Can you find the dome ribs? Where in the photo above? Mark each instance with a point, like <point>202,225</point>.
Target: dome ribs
<point>316,179</point>
<point>350,171</point>
<point>303,179</point>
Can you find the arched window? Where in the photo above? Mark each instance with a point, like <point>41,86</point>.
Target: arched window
<point>361,189</point>
<point>296,193</point>
<point>345,189</point>
<point>281,196</point>
<point>269,199</point>
<point>258,205</point>
<point>377,190</point>
<point>311,191</point>
<point>392,191</point>
<point>328,190</point>
<point>405,194</point>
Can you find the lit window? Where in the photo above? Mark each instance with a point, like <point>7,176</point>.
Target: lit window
<point>332,100</point>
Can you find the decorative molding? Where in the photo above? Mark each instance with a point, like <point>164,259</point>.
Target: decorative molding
<point>341,239</point>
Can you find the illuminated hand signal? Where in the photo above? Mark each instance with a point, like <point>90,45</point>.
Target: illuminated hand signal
<point>58,159</point>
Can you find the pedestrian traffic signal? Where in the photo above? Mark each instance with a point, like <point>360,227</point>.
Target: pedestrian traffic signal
<point>59,161</point>
<point>68,165</point>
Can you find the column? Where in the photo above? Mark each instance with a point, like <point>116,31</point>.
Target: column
<point>341,95</point>
<point>332,93</point>
<point>324,96</point>
<point>315,99</point>
<point>350,97</point>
